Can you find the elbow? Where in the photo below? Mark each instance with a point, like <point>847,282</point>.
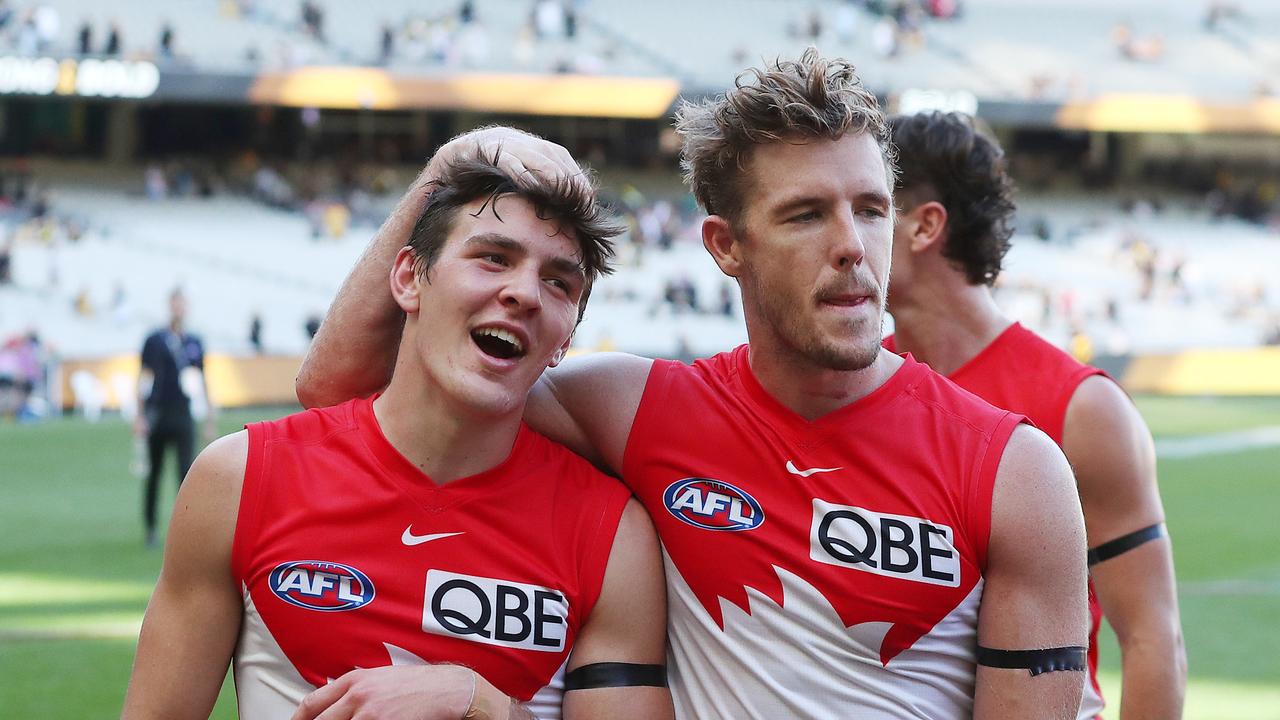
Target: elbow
<point>308,390</point>
<point>1162,641</point>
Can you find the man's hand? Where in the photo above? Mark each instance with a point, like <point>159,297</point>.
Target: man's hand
<point>418,692</point>
<point>519,154</point>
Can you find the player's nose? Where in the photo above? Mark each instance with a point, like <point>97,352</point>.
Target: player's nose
<point>522,289</point>
<point>847,244</point>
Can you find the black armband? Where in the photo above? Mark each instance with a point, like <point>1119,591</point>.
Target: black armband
<point>1037,661</point>
<point>1125,543</point>
<point>615,674</point>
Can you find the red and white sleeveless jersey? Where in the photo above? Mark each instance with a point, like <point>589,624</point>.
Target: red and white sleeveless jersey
<point>820,569</point>
<point>350,557</point>
<point>1022,372</point>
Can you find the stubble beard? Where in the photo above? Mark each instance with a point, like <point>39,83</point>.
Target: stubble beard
<point>803,338</point>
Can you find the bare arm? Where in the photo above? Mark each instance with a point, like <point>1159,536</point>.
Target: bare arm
<point>194,615</point>
<point>627,625</point>
<point>589,404</point>
<point>354,351</point>
<point>1111,450</point>
<point>1035,591</point>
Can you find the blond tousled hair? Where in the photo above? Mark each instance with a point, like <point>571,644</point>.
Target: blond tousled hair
<point>789,100</point>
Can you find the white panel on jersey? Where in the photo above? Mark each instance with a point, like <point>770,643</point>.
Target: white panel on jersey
<point>1092,704</point>
<point>546,703</point>
<point>896,546</point>
<point>267,684</point>
<point>495,612</point>
<point>800,660</point>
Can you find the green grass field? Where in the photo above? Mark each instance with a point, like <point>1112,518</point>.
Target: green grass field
<point>74,577</point>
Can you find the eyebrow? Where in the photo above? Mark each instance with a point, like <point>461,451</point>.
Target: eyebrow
<point>559,263</point>
<point>872,197</point>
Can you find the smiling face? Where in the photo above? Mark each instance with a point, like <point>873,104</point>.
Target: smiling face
<point>813,251</point>
<point>498,305</point>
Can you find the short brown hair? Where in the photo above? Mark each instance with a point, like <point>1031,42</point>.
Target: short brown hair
<point>943,157</point>
<point>570,202</point>
<point>813,97</point>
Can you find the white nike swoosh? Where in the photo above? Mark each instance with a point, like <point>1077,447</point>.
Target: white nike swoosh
<point>408,538</point>
<point>791,468</point>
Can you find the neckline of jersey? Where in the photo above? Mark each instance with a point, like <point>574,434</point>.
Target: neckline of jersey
<point>1015,328</point>
<point>771,407</point>
<point>419,485</point>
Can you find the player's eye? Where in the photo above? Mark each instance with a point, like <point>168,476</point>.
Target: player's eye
<point>806,216</point>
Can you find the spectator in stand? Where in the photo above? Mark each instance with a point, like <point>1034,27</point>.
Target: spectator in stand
<point>387,43</point>
<point>255,333</point>
<point>166,41</point>
<point>313,19</point>
<point>312,325</point>
<point>84,39</point>
<point>6,262</point>
<point>112,48</point>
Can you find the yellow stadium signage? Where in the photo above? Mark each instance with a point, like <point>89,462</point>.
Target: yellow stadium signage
<point>377,89</point>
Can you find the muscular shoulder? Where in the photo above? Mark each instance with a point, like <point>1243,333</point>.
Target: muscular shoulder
<point>1032,463</point>
<point>204,513</point>
<point>1035,511</point>
<point>219,469</point>
<point>1103,429</point>
<point>1100,414</point>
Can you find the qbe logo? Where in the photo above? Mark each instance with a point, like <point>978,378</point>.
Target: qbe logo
<point>900,546</point>
<point>495,612</point>
<point>712,505</point>
<point>320,585</point>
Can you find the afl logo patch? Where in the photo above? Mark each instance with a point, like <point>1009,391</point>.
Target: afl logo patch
<point>319,585</point>
<point>713,505</point>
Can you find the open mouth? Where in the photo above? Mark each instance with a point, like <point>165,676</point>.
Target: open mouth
<point>498,343</point>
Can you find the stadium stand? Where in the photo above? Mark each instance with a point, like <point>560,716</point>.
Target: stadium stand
<point>1140,232</point>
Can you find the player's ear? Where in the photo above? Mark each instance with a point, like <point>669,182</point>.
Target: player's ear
<point>720,240</point>
<point>404,281</point>
<point>930,226</point>
<point>558,356</point>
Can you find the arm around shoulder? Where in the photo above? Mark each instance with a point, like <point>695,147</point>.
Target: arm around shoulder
<point>628,626</point>
<point>589,404</point>
<point>1035,590</point>
<point>193,618</point>
<point>1111,449</point>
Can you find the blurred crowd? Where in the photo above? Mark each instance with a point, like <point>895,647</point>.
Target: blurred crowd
<point>40,29</point>
<point>25,364</point>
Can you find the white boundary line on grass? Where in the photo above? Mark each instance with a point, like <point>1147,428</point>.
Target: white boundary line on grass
<point>1229,587</point>
<point>1218,443</point>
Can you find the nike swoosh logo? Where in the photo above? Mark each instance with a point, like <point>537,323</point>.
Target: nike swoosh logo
<point>791,468</point>
<point>408,538</point>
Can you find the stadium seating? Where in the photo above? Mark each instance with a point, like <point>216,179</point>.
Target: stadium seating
<point>235,257</point>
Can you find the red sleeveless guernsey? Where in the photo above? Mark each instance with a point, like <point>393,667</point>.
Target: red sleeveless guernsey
<point>350,557</point>
<point>1022,372</point>
<point>818,569</point>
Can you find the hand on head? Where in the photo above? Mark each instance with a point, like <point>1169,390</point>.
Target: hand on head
<point>520,154</point>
